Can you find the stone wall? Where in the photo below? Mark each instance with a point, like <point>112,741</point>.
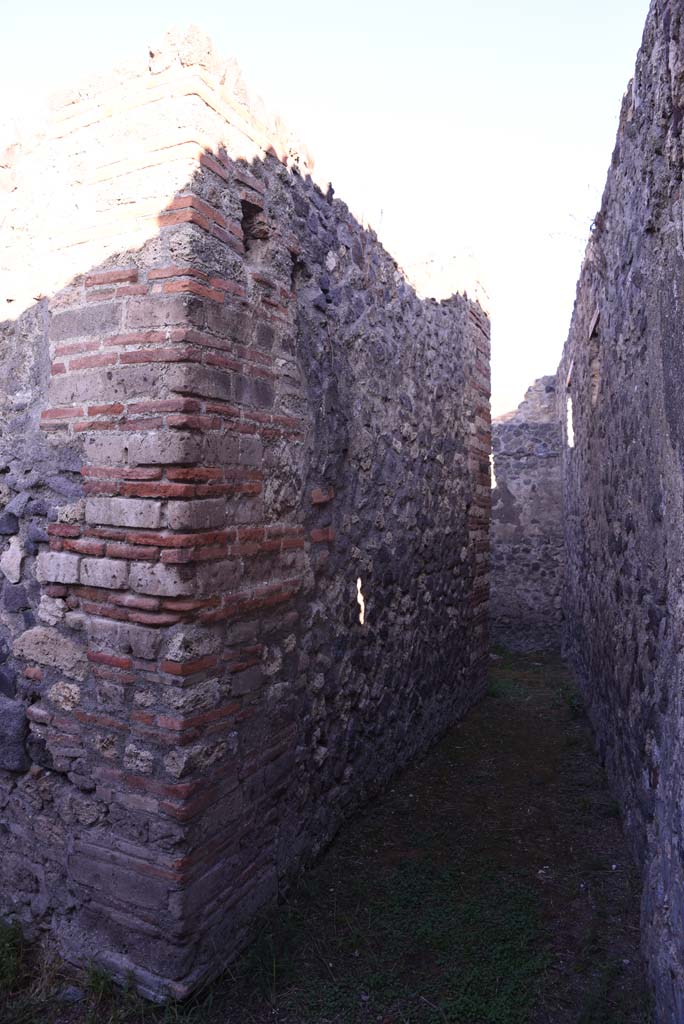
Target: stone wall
<point>527,524</point>
<point>621,382</point>
<point>244,534</point>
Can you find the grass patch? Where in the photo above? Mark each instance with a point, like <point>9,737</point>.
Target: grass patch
<point>503,687</point>
<point>11,956</point>
<point>426,944</point>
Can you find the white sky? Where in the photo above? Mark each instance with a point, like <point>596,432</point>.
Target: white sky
<point>473,135</point>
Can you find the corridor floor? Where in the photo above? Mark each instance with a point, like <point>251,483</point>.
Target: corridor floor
<point>490,885</point>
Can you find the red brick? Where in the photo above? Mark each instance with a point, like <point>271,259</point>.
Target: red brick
<point>322,497</point>
<point>323,535</point>
<point>180,540</point>
<point>223,409</point>
<point>77,347</point>
<point>197,554</point>
<point>251,533</point>
<point>166,405</point>
<point>213,165</point>
<point>194,473</point>
<point>106,611</point>
<point>106,487</point>
<point>109,659</point>
<point>170,218</point>
<point>176,270</point>
<point>96,425</point>
<point>143,717</point>
<point>142,473</point>
<point>85,546</point>
<point>105,532</point>
<point>186,811</point>
<point>63,530</point>
<point>57,368</point>
<point>146,337</point>
<point>89,362</point>
<point>182,604</point>
<point>104,721</point>
<point>246,487</point>
<point>62,414</point>
<point>116,674</point>
<point>213,490</point>
<point>131,289</point>
<point>195,203</point>
<point>106,410</point>
<point>132,551</point>
<point>158,490</point>
<point>159,355</point>
<point>248,179</point>
<point>178,723</point>
<point>225,362</point>
<point>189,668</point>
<point>142,424</point>
<point>194,422</point>
<point>292,543</point>
<point>111,277</point>
<point>177,556</point>
<point>255,356</point>
<point>172,287</point>
<point>137,601</point>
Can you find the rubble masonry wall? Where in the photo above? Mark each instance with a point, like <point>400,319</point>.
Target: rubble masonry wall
<point>228,423</point>
<point>527,524</point>
<point>620,386</point>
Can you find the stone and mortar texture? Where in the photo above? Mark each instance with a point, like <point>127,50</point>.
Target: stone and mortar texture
<point>527,524</point>
<point>623,372</point>
<point>224,410</point>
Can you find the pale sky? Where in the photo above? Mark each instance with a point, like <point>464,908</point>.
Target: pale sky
<point>473,135</point>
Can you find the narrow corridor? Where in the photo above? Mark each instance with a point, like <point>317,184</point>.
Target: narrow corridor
<point>490,885</point>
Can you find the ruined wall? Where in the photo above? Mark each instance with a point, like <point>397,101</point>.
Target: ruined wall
<point>623,373</point>
<point>230,425</point>
<point>527,524</point>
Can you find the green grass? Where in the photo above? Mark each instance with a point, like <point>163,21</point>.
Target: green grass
<point>427,944</point>
<point>11,956</point>
<point>503,687</point>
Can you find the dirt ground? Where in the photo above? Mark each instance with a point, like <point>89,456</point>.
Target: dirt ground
<point>489,885</point>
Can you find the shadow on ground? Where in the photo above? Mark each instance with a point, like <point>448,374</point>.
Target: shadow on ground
<point>490,885</point>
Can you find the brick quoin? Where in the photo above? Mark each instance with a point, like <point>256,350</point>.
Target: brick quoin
<point>218,483</point>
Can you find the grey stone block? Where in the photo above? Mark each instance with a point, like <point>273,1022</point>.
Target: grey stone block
<point>134,512</point>
<point>102,318</point>
<point>57,567</point>
<point>162,448</point>
<point>109,573</point>
<point>204,514</point>
<point>160,580</point>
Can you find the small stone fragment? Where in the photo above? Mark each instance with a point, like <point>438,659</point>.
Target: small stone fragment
<point>11,559</point>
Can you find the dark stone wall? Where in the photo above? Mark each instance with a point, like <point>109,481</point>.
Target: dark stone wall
<point>622,372</point>
<point>527,524</point>
<point>40,484</point>
<point>245,488</point>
